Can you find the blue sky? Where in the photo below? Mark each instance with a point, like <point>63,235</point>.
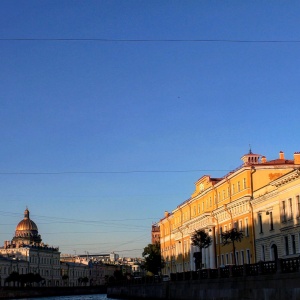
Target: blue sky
<point>99,138</point>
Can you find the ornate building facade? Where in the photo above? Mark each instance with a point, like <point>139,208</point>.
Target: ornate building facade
<point>220,204</point>
<point>276,209</point>
<point>27,254</point>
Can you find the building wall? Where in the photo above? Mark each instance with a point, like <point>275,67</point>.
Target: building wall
<point>34,259</point>
<point>218,205</point>
<point>276,214</point>
<point>271,287</point>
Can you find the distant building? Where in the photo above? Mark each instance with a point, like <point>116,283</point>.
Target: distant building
<point>155,234</point>
<point>27,254</point>
<point>75,274</point>
<point>113,256</point>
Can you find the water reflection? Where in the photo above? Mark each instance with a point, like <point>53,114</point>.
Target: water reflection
<point>78,297</point>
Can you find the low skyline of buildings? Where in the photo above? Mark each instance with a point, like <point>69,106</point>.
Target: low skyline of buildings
<point>27,254</point>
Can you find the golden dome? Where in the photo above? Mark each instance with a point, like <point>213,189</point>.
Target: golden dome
<point>26,232</point>
<point>26,224</point>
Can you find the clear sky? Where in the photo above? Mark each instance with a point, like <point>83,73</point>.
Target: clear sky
<point>99,138</point>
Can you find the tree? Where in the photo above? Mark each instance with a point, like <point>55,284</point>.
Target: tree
<point>84,280</point>
<point>202,240</point>
<point>13,277</point>
<point>231,237</point>
<point>153,259</point>
<point>65,278</point>
<point>118,274</point>
<point>38,278</point>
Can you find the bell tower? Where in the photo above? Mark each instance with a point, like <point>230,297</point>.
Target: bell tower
<point>251,158</point>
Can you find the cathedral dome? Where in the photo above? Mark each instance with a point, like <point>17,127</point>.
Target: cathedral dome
<point>26,232</point>
<point>26,224</point>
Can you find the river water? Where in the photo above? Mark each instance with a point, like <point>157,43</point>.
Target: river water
<point>80,297</point>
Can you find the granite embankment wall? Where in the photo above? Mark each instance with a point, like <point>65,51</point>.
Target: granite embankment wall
<point>272,280</point>
<point>18,293</point>
<point>262,287</point>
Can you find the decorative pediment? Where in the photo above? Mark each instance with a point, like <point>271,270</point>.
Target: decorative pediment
<point>203,184</point>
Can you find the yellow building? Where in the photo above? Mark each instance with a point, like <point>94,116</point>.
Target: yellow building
<point>218,205</point>
<point>276,209</point>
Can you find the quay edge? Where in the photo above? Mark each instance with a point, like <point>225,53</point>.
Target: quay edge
<point>263,287</point>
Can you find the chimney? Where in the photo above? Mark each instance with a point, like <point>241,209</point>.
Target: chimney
<point>281,155</point>
<point>297,158</point>
<point>166,214</point>
<point>263,159</point>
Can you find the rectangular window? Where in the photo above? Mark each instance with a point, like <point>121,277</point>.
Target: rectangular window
<point>293,237</point>
<point>246,227</point>
<point>298,206</point>
<point>244,183</point>
<point>222,259</point>
<point>231,257</point>
<point>235,224</point>
<point>260,223</point>
<point>240,225</point>
<point>290,208</point>
<point>227,259</point>
<point>283,212</point>
<point>286,245</point>
<point>239,186</point>
<point>228,191</point>
<point>237,257</point>
<point>242,257</point>
<point>233,190</point>
<point>263,258</point>
<point>271,220</point>
<point>248,256</point>
<point>198,208</point>
<point>223,194</point>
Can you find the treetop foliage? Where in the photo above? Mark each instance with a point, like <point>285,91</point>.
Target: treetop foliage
<point>153,259</point>
<point>201,239</point>
<point>231,236</point>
